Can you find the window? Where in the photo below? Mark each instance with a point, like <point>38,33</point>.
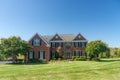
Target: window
<point>83,53</point>
<point>56,37</point>
<point>76,44</point>
<point>31,55</point>
<point>36,42</point>
<point>77,53</point>
<point>53,54</point>
<point>53,44</point>
<point>42,55</point>
<point>60,44</point>
<point>83,44</point>
<point>79,36</point>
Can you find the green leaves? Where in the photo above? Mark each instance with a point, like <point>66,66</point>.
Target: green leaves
<point>94,48</point>
<point>13,46</point>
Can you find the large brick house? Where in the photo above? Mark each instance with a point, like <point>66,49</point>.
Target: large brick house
<point>48,47</point>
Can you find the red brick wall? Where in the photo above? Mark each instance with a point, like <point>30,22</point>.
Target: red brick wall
<point>36,49</point>
<point>72,48</point>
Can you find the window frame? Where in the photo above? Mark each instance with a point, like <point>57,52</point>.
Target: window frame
<point>31,56</point>
<point>76,44</point>
<point>36,42</point>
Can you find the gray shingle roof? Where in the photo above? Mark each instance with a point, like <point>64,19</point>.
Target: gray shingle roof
<point>47,38</point>
<point>65,37</point>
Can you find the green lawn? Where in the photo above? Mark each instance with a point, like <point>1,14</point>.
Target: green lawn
<point>108,69</point>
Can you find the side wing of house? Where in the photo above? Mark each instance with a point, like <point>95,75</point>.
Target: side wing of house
<point>39,50</point>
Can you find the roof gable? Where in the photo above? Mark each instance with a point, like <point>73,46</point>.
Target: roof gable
<point>56,37</point>
<point>79,37</point>
<point>37,36</point>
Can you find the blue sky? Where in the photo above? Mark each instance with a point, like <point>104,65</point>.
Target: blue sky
<point>95,19</point>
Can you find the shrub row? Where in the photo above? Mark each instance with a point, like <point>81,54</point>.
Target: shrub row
<point>79,58</point>
<point>37,61</point>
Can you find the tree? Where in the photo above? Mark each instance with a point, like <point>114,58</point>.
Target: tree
<point>13,46</point>
<point>59,52</point>
<point>116,52</point>
<point>2,56</point>
<point>94,48</point>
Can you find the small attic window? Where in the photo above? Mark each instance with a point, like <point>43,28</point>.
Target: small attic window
<point>79,36</point>
<point>56,37</point>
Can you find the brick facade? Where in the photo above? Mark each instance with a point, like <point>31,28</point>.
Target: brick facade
<point>48,46</point>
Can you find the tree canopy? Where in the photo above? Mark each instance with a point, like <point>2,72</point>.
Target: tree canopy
<point>13,46</point>
<point>94,48</point>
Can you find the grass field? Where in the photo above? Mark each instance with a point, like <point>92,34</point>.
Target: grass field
<point>107,69</point>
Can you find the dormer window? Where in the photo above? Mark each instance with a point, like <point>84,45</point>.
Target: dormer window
<point>36,42</point>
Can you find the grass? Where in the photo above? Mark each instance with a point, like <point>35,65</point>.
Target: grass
<point>107,69</point>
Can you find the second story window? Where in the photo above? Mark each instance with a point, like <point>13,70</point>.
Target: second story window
<point>83,44</point>
<point>36,42</point>
<point>76,44</point>
<point>60,44</point>
<point>53,44</point>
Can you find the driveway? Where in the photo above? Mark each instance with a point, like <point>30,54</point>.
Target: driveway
<point>5,62</point>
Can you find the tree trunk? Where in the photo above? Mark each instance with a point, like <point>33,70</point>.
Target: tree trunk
<point>14,59</point>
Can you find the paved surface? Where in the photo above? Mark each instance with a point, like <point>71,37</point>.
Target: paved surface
<point>5,62</point>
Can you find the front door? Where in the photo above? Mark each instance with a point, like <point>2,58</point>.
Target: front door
<point>68,55</point>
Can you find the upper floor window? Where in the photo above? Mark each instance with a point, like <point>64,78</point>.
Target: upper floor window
<point>76,44</point>
<point>79,36</point>
<point>83,53</point>
<point>36,42</point>
<point>42,54</point>
<point>53,44</point>
<point>83,44</point>
<point>68,46</point>
<point>60,44</point>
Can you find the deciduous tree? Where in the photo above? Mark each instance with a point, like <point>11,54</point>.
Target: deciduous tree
<point>94,48</point>
<point>13,46</point>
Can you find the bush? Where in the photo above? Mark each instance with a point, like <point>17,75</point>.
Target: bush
<point>79,58</point>
<point>37,60</point>
<point>95,59</point>
<point>20,60</point>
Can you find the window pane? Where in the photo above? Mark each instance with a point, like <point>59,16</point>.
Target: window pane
<point>83,53</point>
<point>53,44</point>
<point>60,44</point>
<point>36,42</point>
<point>76,44</point>
<point>83,44</point>
<point>41,55</point>
<point>31,55</point>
